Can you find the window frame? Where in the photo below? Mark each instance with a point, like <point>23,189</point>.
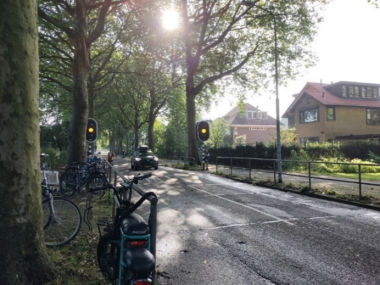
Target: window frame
<point>303,117</point>
<point>368,120</point>
<point>305,140</point>
<point>327,113</point>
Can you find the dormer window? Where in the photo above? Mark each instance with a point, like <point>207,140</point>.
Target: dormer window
<point>253,115</point>
<point>344,91</point>
<point>360,92</point>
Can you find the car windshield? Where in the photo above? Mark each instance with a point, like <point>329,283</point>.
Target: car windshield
<point>146,153</point>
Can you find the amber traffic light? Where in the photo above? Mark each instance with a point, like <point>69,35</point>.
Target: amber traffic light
<point>203,130</point>
<point>92,130</point>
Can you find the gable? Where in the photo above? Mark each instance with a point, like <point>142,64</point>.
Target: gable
<point>321,94</point>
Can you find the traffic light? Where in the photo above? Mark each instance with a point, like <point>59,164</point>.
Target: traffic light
<point>203,131</point>
<point>92,130</point>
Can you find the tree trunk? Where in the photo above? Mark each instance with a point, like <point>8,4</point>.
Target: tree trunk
<point>151,119</point>
<point>136,133</point>
<point>81,70</point>
<point>23,255</point>
<point>150,133</point>
<point>191,135</point>
<point>77,151</point>
<point>91,98</point>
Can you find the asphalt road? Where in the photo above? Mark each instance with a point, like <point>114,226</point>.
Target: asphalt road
<point>216,231</point>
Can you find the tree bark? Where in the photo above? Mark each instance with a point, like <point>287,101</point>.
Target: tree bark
<point>91,97</point>
<point>151,118</point>
<point>136,138</point>
<point>191,135</point>
<point>81,70</point>
<point>23,255</point>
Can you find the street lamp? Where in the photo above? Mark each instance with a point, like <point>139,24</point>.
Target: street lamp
<point>278,143</point>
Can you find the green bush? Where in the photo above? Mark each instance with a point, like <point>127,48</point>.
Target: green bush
<point>56,158</point>
<point>333,165</point>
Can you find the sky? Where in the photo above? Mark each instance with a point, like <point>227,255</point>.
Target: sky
<point>347,48</point>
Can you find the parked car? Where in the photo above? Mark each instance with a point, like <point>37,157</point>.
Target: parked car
<point>143,158</point>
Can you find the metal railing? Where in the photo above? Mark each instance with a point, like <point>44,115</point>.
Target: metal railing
<point>298,169</point>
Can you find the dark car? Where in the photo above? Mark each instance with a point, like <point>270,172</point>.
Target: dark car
<point>144,158</point>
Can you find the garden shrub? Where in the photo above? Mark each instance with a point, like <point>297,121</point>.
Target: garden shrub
<point>56,158</point>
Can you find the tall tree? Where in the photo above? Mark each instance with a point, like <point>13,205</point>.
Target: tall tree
<point>82,22</point>
<point>133,101</point>
<point>23,256</point>
<point>220,134</point>
<point>222,36</point>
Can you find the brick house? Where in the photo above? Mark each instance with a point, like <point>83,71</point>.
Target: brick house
<point>252,124</point>
<point>339,111</point>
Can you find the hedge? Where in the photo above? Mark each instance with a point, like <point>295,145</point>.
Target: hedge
<point>312,151</point>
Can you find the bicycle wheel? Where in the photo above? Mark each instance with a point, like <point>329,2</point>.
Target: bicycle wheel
<point>67,184</point>
<point>97,184</point>
<point>62,226</point>
<point>108,256</point>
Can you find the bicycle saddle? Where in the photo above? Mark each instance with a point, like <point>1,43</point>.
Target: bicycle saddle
<point>134,224</point>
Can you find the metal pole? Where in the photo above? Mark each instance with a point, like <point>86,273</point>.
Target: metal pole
<point>250,174</point>
<point>309,173</point>
<point>231,166</point>
<point>278,144</point>
<point>278,135</point>
<point>360,182</point>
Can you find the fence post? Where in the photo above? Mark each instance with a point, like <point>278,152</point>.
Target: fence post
<point>274,171</point>
<point>249,163</point>
<point>230,166</point>
<point>309,173</point>
<point>360,182</point>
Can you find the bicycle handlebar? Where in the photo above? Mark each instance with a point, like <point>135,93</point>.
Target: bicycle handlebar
<point>128,182</point>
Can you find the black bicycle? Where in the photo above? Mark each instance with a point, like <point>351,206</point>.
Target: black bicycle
<point>90,176</point>
<point>125,254</point>
<point>62,219</point>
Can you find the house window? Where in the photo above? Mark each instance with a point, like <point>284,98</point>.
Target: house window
<point>360,92</point>
<point>303,141</point>
<point>356,92</point>
<point>344,91</point>
<point>249,114</point>
<point>373,116</point>
<point>364,92</point>
<point>351,91</point>
<point>309,116</point>
<point>256,129</point>
<point>330,113</point>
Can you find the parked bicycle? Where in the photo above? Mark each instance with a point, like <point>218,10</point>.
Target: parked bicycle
<point>62,219</point>
<point>125,252</point>
<point>90,176</point>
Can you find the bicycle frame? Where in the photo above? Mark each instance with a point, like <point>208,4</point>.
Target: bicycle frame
<point>125,209</point>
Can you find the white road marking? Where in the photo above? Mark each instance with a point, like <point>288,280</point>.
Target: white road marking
<point>245,206</point>
<point>263,223</point>
<point>323,217</point>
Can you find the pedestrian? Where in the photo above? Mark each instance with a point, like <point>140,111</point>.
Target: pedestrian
<point>110,157</point>
<point>205,158</point>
